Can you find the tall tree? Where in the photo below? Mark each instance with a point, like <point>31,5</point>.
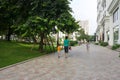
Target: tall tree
<point>49,14</point>
<point>36,17</point>
<point>67,24</point>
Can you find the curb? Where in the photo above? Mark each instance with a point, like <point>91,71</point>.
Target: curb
<point>22,62</point>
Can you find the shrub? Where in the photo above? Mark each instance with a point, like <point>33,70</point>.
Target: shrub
<point>115,46</point>
<point>73,43</point>
<point>96,43</point>
<point>104,43</point>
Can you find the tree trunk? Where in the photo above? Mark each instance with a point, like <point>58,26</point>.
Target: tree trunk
<point>8,34</point>
<point>41,42</point>
<point>34,42</point>
<point>52,43</point>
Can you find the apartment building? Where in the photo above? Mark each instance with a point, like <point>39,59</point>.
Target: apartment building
<point>85,25</point>
<point>108,21</point>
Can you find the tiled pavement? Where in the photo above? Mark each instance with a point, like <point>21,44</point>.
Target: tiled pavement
<point>98,64</point>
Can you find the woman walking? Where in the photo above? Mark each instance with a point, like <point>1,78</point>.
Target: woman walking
<point>66,45</point>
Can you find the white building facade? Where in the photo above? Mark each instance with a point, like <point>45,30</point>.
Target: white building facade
<point>108,21</point>
<point>85,25</point>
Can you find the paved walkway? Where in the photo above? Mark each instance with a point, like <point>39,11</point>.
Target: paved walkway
<point>98,64</point>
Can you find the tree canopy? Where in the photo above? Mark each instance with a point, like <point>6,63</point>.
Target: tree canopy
<point>31,18</point>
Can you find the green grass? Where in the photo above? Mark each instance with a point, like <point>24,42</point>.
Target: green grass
<point>13,52</point>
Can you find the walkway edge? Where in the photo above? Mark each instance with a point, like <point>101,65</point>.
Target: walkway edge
<point>22,62</point>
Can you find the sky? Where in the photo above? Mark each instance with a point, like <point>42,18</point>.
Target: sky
<point>85,10</point>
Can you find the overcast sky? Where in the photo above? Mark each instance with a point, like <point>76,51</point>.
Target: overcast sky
<point>85,10</point>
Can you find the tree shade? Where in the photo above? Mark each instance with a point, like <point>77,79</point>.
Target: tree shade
<point>31,18</point>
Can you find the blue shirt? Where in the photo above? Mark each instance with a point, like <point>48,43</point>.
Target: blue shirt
<point>66,42</point>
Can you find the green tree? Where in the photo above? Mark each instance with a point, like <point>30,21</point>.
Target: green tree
<point>30,18</point>
<point>82,35</point>
<point>13,12</point>
<point>48,16</point>
<point>67,23</point>
<point>7,11</point>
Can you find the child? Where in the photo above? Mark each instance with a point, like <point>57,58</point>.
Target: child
<point>59,49</point>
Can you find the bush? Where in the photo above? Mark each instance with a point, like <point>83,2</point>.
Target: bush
<point>96,43</point>
<point>104,43</point>
<point>73,43</point>
<point>115,46</point>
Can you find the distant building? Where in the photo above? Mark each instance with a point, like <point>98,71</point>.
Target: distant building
<point>85,25</point>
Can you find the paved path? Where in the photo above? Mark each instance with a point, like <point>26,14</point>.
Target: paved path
<point>98,64</point>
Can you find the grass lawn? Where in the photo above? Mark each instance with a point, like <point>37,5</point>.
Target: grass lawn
<point>13,52</point>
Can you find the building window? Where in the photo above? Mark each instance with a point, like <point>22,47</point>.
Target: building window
<point>116,15</point>
<point>108,33</point>
<point>116,35</point>
<point>104,4</point>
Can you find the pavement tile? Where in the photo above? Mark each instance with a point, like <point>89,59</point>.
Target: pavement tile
<point>99,63</point>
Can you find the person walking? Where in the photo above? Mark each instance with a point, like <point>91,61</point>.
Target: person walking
<point>87,45</point>
<point>66,46</point>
